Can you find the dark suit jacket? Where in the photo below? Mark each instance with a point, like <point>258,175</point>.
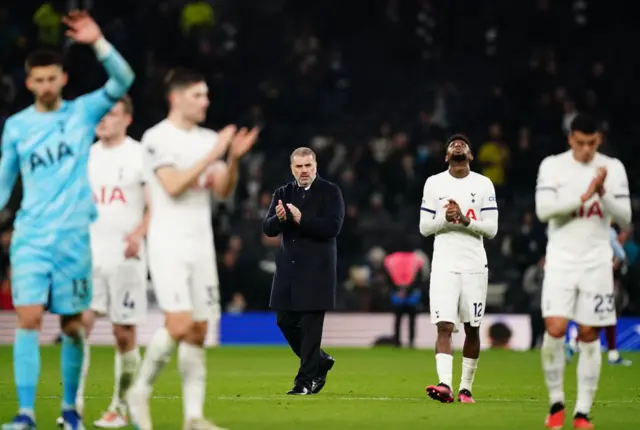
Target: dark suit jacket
<point>306,263</point>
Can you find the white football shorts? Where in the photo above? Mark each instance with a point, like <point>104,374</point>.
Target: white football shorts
<point>186,286</point>
<point>457,297</point>
<point>120,291</point>
<point>583,295</point>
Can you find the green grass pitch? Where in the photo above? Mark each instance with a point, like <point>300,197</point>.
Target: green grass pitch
<point>367,389</point>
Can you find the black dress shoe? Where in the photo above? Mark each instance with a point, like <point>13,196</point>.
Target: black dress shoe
<point>319,381</point>
<point>299,390</point>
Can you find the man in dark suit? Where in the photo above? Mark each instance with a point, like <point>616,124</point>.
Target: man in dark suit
<point>308,214</point>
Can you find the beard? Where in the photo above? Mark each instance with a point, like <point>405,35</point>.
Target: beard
<point>48,99</point>
<point>459,157</point>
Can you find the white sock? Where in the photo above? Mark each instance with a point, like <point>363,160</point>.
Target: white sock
<point>192,366</point>
<point>125,367</point>
<point>553,366</point>
<point>589,364</point>
<point>614,355</point>
<point>444,367</point>
<point>116,400</point>
<point>156,357</point>
<point>83,377</point>
<point>469,366</point>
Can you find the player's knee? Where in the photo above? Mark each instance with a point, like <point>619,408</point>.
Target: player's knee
<point>588,334</point>
<point>178,325</point>
<point>72,325</point>
<point>445,328</point>
<point>125,337</point>
<point>197,334</point>
<point>30,317</point>
<point>88,320</point>
<point>472,333</point>
<point>556,327</point>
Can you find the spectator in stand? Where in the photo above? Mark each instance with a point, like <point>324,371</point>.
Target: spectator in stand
<point>404,269</point>
<point>493,157</point>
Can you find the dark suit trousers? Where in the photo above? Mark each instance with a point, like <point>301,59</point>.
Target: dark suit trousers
<point>411,312</point>
<point>303,331</point>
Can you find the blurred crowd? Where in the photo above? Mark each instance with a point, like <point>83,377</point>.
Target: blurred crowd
<point>374,87</point>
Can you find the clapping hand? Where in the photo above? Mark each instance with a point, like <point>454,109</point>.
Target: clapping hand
<point>453,212</point>
<point>295,212</point>
<point>281,213</point>
<point>601,175</point>
<point>242,142</point>
<point>225,136</point>
<point>596,185</point>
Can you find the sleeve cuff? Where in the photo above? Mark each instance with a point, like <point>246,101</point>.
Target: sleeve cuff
<point>103,48</point>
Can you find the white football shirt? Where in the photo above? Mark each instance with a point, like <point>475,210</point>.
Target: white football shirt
<point>186,219</point>
<point>117,180</point>
<point>457,248</point>
<point>578,234</point>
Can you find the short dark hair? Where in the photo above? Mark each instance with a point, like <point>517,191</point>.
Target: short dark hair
<point>459,136</point>
<point>180,78</point>
<point>43,58</point>
<point>128,104</point>
<point>585,123</point>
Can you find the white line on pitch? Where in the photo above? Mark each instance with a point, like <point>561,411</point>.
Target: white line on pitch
<point>399,399</point>
<point>362,399</point>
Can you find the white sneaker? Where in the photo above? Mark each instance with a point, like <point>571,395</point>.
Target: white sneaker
<point>138,401</point>
<point>114,419</point>
<point>201,424</point>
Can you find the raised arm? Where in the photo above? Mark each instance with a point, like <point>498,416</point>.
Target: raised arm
<point>9,163</point>
<point>615,197</point>
<point>487,225</point>
<point>550,202</point>
<point>120,74</point>
<point>429,222</point>
<point>83,29</point>
<point>330,224</point>
<point>271,225</point>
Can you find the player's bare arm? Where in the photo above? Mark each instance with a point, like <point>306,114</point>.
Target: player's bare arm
<point>83,29</point>
<point>175,182</point>
<point>134,239</point>
<point>225,178</point>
